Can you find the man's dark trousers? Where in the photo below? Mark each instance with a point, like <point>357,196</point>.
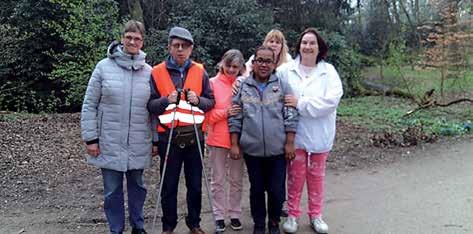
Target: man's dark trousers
<point>189,156</point>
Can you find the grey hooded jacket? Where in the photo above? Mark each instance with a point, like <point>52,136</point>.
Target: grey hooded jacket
<point>263,120</point>
<point>114,111</point>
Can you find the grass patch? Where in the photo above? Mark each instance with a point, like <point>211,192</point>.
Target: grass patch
<point>386,114</point>
<point>419,81</point>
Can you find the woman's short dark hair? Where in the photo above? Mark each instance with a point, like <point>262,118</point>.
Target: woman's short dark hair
<point>265,48</point>
<point>323,48</point>
<point>134,26</point>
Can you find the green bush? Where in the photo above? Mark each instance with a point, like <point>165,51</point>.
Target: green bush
<point>51,48</point>
<point>219,26</point>
<point>346,59</point>
<point>86,31</point>
<point>26,59</point>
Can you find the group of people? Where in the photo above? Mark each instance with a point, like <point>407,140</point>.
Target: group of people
<point>273,113</point>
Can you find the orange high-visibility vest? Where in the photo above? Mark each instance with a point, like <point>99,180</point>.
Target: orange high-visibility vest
<point>165,86</point>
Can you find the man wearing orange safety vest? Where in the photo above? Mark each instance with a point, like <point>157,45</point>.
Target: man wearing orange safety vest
<point>179,74</point>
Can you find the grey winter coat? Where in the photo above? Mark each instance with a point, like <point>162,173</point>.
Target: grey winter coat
<point>114,111</point>
<point>263,121</point>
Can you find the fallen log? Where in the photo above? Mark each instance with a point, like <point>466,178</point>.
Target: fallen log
<point>435,103</point>
<point>386,90</point>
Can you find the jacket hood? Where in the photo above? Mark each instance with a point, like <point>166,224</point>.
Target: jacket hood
<point>127,61</point>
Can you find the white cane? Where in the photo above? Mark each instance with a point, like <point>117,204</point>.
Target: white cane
<point>168,146</point>
<point>203,165</point>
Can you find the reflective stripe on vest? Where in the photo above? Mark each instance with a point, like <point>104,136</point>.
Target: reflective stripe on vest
<point>184,115</point>
<point>165,87</point>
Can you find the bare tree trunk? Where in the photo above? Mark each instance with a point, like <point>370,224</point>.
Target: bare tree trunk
<point>409,20</point>
<point>358,6</point>
<point>150,15</point>
<point>136,11</point>
<point>443,66</point>
<point>123,7</point>
<point>417,11</point>
<point>388,14</point>
<point>396,13</point>
<point>162,11</point>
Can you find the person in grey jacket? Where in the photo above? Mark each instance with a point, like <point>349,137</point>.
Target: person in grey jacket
<point>116,126</point>
<point>264,131</point>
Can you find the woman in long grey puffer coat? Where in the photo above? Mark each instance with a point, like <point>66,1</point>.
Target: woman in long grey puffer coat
<point>116,126</point>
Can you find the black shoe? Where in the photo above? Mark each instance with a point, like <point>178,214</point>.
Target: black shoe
<point>138,231</point>
<point>273,228</point>
<point>220,224</point>
<point>235,224</point>
<point>258,230</point>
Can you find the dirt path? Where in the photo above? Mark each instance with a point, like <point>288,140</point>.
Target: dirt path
<point>429,193</point>
<point>46,186</point>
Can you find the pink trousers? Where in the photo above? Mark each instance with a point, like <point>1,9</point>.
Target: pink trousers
<point>308,167</point>
<point>226,202</point>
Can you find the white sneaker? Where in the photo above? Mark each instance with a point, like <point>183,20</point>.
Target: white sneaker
<point>290,226</point>
<point>319,225</point>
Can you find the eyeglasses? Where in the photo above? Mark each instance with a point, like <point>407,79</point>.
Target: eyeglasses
<point>184,46</point>
<point>136,39</point>
<point>261,61</point>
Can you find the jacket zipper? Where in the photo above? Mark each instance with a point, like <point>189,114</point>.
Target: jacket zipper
<point>262,118</point>
<point>129,112</point>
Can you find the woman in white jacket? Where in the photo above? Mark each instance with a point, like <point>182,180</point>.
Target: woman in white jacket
<point>318,90</point>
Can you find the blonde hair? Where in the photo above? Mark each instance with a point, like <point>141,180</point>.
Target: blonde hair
<point>278,36</point>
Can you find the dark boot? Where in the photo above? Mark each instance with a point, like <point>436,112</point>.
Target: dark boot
<point>138,231</point>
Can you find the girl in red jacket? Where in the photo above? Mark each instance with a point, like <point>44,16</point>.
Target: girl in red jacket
<point>223,167</point>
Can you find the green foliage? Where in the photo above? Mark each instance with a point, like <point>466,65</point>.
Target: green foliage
<point>8,57</point>
<point>346,59</point>
<point>51,48</point>
<point>397,54</point>
<point>297,15</point>
<point>25,85</point>
<point>388,114</point>
<point>86,31</point>
<point>216,28</point>
<point>374,38</point>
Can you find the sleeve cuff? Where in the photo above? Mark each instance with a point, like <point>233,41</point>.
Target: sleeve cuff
<point>94,141</point>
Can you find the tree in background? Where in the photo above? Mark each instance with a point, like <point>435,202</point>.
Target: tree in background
<point>86,30</point>
<point>27,59</point>
<point>448,41</point>
<point>377,31</point>
<point>51,48</point>
<point>217,25</point>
